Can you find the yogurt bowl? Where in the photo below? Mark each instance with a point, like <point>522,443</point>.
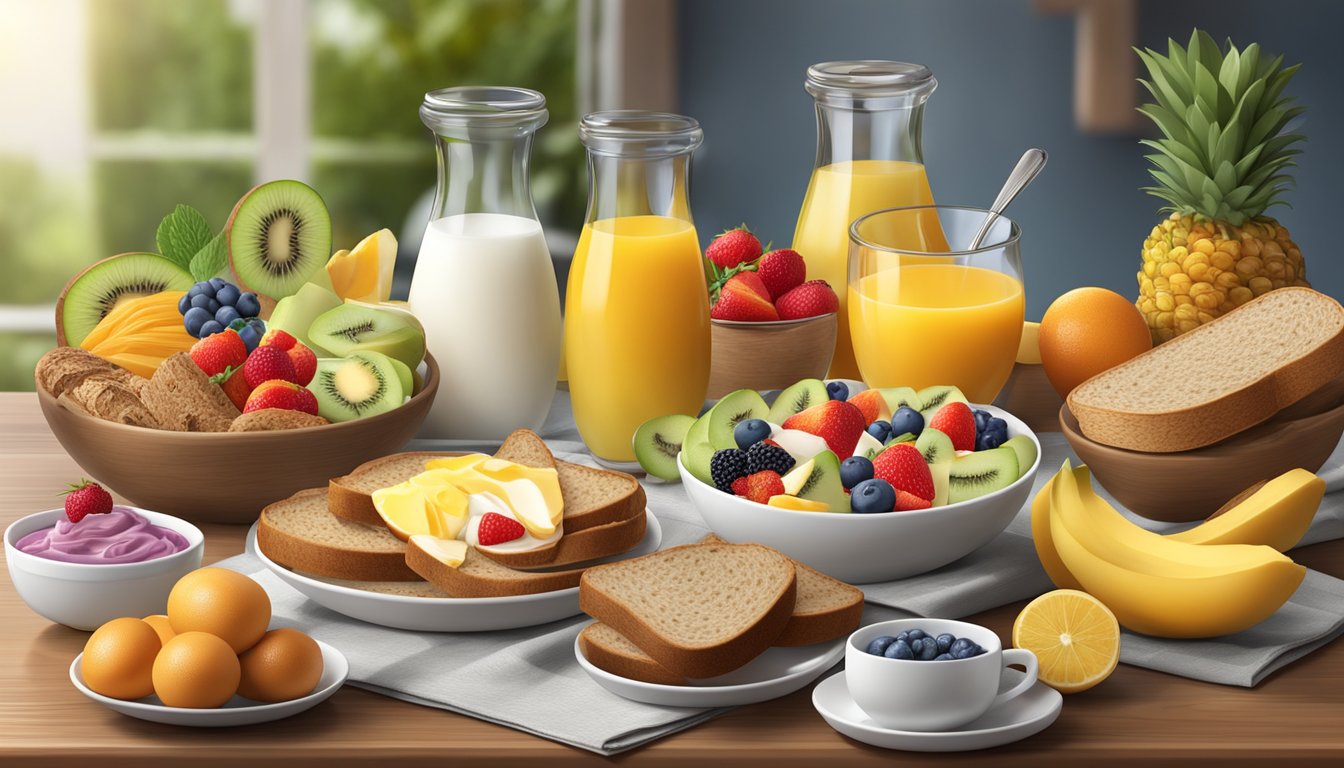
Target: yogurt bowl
<point>84,595</point>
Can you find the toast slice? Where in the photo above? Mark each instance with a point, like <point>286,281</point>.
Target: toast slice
<point>1234,373</point>
<point>580,547</point>
<point>300,534</point>
<point>479,576</point>
<point>605,648</point>
<point>701,610</point>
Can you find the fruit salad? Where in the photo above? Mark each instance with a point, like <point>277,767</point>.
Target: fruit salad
<point>818,448</point>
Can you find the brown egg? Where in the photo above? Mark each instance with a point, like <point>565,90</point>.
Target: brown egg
<point>119,657</point>
<point>285,664</point>
<point>160,624</point>
<point>196,670</point>
<point>224,603</point>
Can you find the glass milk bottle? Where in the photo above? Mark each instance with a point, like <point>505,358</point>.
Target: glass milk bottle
<point>484,287</point>
<point>869,157</point>
<point>637,310</point>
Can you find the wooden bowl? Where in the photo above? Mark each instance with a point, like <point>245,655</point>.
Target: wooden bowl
<point>1029,396</point>
<point>228,477</point>
<point>769,355</point>
<point>1192,485</point>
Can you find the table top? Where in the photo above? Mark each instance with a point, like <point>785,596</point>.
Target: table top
<point>1136,715</point>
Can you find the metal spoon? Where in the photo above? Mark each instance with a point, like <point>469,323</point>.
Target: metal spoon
<point>1033,160</point>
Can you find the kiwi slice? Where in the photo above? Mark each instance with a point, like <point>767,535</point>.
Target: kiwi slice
<point>279,236</point>
<point>734,407</point>
<point>362,384</point>
<point>696,451</point>
<point>818,479</point>
<point>359,328</point>
<point>933,398</point>
<point>91,294</point>
<point>404,374</point>
<point>982,472</point>
<point>797,398</point>
<point>1026,452</point>
<point>657,443</point>
<point>936,446</point>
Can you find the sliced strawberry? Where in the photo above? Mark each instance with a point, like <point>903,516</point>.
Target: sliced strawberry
<point>838,422</point>
<point>957,422</point>
<point>495,528</point>
<point>744,297</point>
<point>762,485</point>
<point>902,465</point>
<point>906,501</point>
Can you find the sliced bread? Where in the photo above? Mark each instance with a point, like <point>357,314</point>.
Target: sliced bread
<point>479,576</point>
<point>1220,379</point>
<point>299,533</point>
<point>605,648</point>
<point>700,609</point>
<point>581,546</point>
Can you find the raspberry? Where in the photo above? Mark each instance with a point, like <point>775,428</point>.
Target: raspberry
<point>726,466</point>
<point>766,456</point>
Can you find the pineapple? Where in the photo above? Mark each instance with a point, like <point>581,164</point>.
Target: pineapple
<point>1222,160</point>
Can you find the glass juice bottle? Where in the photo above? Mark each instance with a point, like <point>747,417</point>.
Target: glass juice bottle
<point>869,157</point>
<point>636,311</point>
<point>484,287</point>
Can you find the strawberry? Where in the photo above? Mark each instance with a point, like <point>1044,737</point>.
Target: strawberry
<point>267,363</point>
<point>781,271</point>
<point>873,405</point>
<point>497,529</point>
<point>838,422</point>
<point>234,384</point>
<point>278,393</point>
<point>733,247</point>
<point>906,501</point>
<point>86,498</point>
<point>219,351</point>
<point>902,465</point>
<point>744,297</point>
<point>303,358</point>
<point>957,422</point>
<point>810,299</point>
<point>760,486</point>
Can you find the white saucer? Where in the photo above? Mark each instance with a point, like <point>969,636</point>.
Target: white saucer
<point>238,711</point>
<point>1014,720</point>
<point>777,672</point>
<point>446,614</point>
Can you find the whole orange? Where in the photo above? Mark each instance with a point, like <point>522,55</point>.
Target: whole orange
<point>1087,331</point>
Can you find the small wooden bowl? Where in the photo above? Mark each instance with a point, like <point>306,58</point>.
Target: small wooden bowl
<point>1192,485</point>
<point>228,477</point>
<point>769,355</point>
<point>1029,396</point>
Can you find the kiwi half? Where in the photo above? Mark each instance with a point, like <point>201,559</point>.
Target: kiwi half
<point>353,387</point>
<point>798,398</point>
<point>657,443</point>
<point>357,328</point>
<point>279,236</point>
<point>91,294</point>
<point>732,409</point>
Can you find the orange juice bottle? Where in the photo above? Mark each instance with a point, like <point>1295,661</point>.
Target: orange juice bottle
<point>869,157</point>
<point>637,310</point>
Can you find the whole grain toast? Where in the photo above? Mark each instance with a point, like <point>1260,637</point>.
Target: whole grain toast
<point>183,398</point>
<point>581,546</point>
<point>112,397</point>
<point>605,648</point>
<point>268,419</point>
<point>300,534</point>
<point>479,576</point>
<point>62,369</point>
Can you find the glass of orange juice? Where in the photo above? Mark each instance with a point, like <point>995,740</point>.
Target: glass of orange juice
<point>922,317</point>
<point>637,311</point>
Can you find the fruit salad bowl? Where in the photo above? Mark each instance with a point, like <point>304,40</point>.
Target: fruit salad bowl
<point>769,354</point>
<point>868,548</point>
<point>228,477</point>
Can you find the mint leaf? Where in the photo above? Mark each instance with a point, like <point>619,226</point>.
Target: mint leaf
<point>182,234</point>
<point>211,259</point>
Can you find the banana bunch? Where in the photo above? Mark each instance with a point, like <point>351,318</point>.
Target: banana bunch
<point>1221,577</point>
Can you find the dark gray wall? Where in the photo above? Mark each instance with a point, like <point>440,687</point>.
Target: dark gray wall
<point>1005,83</point>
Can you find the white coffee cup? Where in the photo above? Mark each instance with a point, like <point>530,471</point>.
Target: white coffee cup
<point>913,695</point>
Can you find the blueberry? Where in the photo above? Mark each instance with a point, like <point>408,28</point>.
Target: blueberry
<point>213,306</point>
<point>916,634</point>
<point>218,282</point>
<point>982,418</point>
<point>194,319</point>
<point>747,433</point>
<point>872,497</point>
<point>184,303</point>
<point>880,429</point>
<point>907,419</point>
<point>879,645</point>
<point>855,470</point>
<point>998,425</point>
<point>976,651</point>
<point>201,289</point>
<point>960,645</point>
<point>248,305</point>
<point>226,315</point>
<point>943,657</point>
<point>903,636</point>
<point>838,390</point>
<point>250,336</point>
<point>228,295</point>
<point>210,328</point>
<point>928,649</point>
<point>200,300</point>
<point>899,650</point>
<point>945,642</point>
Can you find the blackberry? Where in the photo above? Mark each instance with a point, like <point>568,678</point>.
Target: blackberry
<point>763,456</point>
<point>726,466</point>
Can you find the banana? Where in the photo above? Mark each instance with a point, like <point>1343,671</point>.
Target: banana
<point>1275,515</point>
<point>1158,586</point>
<point>1045,546</point>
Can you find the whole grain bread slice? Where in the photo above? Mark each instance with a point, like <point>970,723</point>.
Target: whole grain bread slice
<point>300,534</point>
<point>700,610</point>
<point>479,576</point>
<point>581,546</point>
<point>1219,379</point>
<point>605,648</point>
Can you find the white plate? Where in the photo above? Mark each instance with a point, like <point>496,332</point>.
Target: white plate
<point>238,711</point>
<point>446,614</point>
<point>1014,720</point>
<point>777,672</point>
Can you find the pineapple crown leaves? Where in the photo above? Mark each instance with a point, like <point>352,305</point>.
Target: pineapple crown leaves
<point>1224,151</point>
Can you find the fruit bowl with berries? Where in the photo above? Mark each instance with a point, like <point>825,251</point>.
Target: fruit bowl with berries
<point>769,325</point>
<point>865,485</point>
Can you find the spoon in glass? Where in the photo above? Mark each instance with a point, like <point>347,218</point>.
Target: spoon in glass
<point>1033,160</point>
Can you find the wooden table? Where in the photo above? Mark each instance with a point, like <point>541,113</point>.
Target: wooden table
<point>1137,715</point>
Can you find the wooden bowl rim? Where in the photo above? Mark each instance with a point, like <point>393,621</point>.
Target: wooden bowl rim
<point>770,323</point>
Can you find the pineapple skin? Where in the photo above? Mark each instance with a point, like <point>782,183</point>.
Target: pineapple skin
<point>1196,269</point>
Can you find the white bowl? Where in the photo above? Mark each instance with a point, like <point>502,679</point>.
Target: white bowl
<point>862,549</point>
<point>85,595</point>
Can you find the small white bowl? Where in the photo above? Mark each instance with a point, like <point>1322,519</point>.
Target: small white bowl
<point>863,549</point>
<point>84,595</point>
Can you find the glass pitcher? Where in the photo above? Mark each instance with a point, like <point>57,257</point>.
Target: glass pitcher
<point>484,287</point>
<point>869,157</point>
<point>637,310</point>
